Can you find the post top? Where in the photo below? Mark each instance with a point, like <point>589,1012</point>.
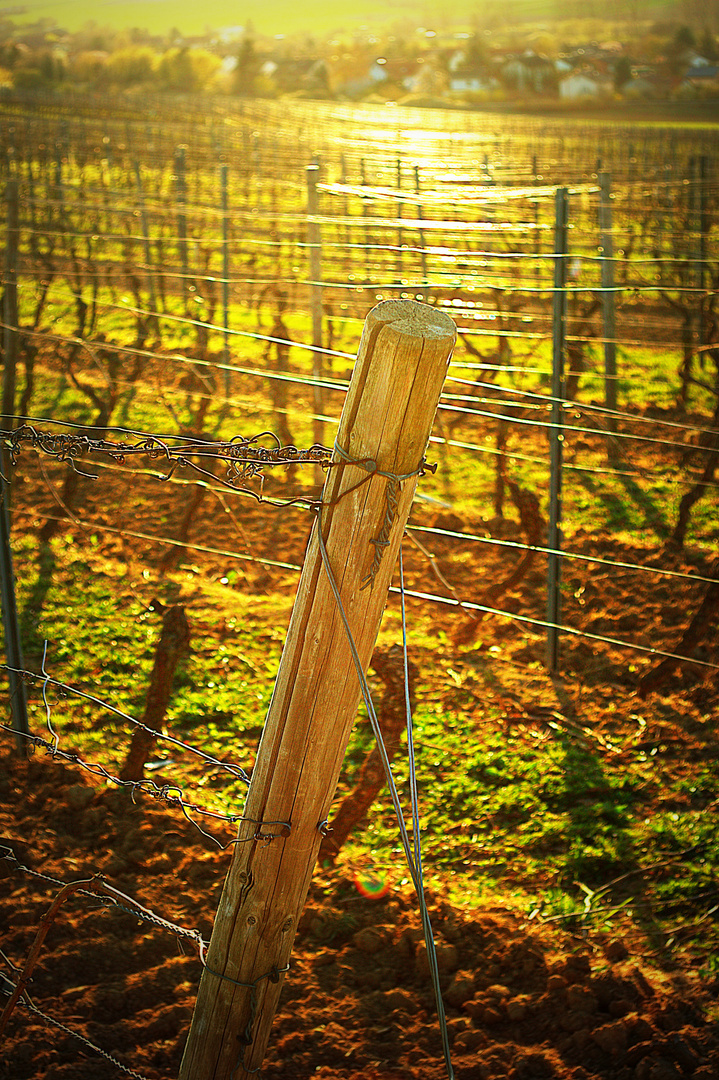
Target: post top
<point>414,319</point>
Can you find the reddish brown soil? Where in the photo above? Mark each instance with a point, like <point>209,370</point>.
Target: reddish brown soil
<point>522,1003</point>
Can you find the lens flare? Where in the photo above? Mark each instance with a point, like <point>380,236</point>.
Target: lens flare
<point>372,886</point>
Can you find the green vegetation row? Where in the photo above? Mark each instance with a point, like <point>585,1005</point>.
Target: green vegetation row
<point>572,796</point>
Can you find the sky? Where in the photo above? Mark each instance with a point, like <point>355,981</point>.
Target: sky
<point>193,17</point>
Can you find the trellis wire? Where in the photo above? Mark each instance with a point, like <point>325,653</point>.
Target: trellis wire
<point>453,601</point>
<point>52,1021</point>
<point>112,897</point>
<point>107,896</point>
<point>363,289</point>
<point>413,858</point>
<point>154,445</point>
<point>169,793</point>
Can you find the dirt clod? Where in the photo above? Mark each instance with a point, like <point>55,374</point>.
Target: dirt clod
<point>357,1002</point>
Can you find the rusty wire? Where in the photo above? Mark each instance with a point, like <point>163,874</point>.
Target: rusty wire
<point>110,898</point>
<point>26,1004</point>
<point>171,794</point>
<point>246,458</point>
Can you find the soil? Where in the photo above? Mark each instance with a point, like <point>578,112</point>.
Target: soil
<point>523,1002</point>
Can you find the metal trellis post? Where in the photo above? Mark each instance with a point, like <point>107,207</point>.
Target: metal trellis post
<point>11,625</point>
<point>314,241</point>
<point>423,249</point>
<point>608,305</point>
<point>181,194</point>
<point>146,238</point>
<point>225,278</point>
<point>556,437</point>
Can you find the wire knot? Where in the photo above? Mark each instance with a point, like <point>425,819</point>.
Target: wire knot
<point>392,493</point>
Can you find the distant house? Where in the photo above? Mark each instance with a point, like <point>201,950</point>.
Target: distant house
<point>641,88</point>
<point>529,72</point>
<point>293,74</point>
<point>351,74</point>
<point>698,62</point>
<point>467,76</point>
<point>378,71</point>
<point>581,85</point>
<point>400,73</point>
<point>392,78</point>
<point>700,81</point>
<point>227,35</point>
<point>354,88</point>
<point>467,82</point>
<point>458,61</point>
<point>430,79</point>
<point>396,78</point>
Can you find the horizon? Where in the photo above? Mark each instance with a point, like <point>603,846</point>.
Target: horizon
<point>283,17</point>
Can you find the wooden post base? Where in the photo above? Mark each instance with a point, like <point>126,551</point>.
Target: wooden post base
<point>383,434</point>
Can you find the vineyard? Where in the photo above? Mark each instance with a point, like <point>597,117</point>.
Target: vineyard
<point>185,287</point>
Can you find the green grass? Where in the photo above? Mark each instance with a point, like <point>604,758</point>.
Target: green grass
<point>545,819</point>
<point>107,647</point>
<point>541,814</point>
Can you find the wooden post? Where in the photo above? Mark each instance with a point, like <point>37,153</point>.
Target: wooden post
<point>386,420</point>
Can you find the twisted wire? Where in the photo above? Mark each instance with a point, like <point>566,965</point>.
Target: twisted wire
<point>26,1004</point>
<point>246,458</point>
<point>162,793</point>
<point>247,1036</point>
<point>32,678</point>
<point>392,491</point>
<point>106,899</point>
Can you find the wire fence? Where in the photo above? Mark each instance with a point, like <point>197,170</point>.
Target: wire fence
<point>188,273</point>
<point>103,897</point>
<point>170,277</point>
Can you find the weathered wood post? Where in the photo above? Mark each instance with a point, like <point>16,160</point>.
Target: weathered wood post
<point>385,425</point>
